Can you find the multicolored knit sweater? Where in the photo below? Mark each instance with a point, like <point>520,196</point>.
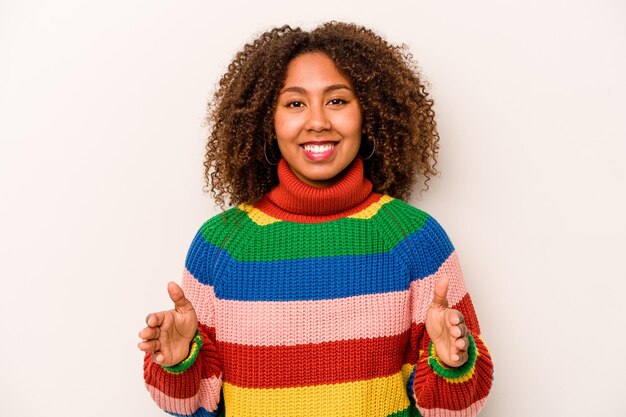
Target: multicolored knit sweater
<point>312,302</point>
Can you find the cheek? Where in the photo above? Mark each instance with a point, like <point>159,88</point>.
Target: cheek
<point>350,122</point>
<point>285,127</point>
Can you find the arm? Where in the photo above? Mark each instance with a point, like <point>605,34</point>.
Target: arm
<point>439,389</point>
<point>191,387</point>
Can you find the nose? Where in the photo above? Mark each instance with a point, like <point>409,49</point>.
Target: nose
<point>318,120</point>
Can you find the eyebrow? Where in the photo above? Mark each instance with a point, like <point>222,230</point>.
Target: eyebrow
<point>328,89</point>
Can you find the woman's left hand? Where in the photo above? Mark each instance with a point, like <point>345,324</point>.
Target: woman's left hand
<point>446,328</point>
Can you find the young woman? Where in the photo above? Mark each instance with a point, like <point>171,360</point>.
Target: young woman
<point>320,292</point>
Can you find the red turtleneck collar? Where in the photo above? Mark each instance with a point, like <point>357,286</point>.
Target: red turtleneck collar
<point>295,200</point>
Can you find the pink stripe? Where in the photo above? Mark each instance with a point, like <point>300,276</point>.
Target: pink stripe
<point>271,323</point>
<point>288,323</point>
<point>201,296</point>
<point>472,410</point>
<point>422,290</point>
<point>207,397</point>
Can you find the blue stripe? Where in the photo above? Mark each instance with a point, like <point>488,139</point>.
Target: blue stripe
<point>429,248</point>
<point>417,256</point>
<point>409,383</point>
<point>200,412</point>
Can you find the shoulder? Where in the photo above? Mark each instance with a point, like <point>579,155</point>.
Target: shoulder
<point>214,231</point>
<point>207,243</point>
<point>402,211</point>
<point>426,242</point>
<point>220,225</point>
<point>414,219</point>
<point>421,229</point>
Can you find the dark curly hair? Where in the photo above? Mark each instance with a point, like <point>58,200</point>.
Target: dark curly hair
<point>398,116</point>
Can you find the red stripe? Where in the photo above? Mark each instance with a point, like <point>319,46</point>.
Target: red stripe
<point>433,391</point>
<point>412,351</point>
<point>419,338</point>
<point>269,208</point>
<point>466,307</point>
<point>313,364</point>
<point>187,384</point>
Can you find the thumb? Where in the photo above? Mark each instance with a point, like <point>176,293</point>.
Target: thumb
<point>177,295</point>
<point>441,292</point>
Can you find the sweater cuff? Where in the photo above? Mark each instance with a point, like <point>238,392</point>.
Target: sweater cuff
<point>194,349</point>
<point>454,375</point>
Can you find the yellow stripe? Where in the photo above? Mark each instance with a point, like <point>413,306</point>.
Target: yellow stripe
<point>263,219</point>
<point>372,209</point>
<point>257,215</point>
<point>463,378</point>
<point>378,397</point>
<point>407,369</point>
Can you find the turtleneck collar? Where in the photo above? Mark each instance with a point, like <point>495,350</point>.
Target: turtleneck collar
<point>296,197</point>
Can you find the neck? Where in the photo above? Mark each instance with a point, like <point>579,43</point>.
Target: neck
<point>294,197</point>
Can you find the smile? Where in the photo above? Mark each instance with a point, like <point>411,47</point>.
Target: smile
<point>319,151</point>
<point>318,148</point>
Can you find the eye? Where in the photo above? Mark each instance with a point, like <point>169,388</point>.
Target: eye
<point>337,101</point>
<point>295,104</point>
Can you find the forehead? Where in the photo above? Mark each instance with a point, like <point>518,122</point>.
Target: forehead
<point>313,70</point>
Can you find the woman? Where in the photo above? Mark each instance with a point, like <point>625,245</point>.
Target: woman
<point>321,292</point>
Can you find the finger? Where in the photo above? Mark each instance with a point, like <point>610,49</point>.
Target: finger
<point>178,297</point>
<point>149,333</point>
<point>455,317</point>
<point>463,329</point>
<point>158,357</point>
<point>149,345</point>
<point>441,291</point>
<point>459,331</point>
<point>461,344</point>
<point>155,319</point>
<point>459,358</point>
<point>456,332</point>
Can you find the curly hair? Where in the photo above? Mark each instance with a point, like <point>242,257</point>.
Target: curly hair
<point>398,116</point>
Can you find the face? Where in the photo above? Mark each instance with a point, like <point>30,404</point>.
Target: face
<point>317,120</point>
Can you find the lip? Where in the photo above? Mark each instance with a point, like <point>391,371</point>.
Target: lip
<point>319,156</point>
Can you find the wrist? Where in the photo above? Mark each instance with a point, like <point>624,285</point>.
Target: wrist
<point>194,349</point>
<point>454,374</point>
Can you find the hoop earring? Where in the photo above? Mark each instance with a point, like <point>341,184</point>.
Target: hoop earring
<point>265,154</point>
<point>373,149</point>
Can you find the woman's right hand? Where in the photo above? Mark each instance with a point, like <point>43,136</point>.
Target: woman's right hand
<point>169,333</point>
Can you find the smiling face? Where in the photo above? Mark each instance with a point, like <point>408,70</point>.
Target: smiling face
<point>317,120</point>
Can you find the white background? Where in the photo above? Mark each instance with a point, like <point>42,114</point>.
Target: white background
<point>101,148</point>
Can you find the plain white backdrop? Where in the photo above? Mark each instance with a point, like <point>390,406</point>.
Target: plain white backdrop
<point>101,146</point>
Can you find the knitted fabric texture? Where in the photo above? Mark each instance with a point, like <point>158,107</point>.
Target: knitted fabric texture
<point>312,302</point>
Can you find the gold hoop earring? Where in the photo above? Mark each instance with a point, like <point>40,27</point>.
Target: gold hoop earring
<point>373,149</point>
<point>265,154</point>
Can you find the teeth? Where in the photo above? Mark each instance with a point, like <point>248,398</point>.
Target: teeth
<point>318,148</point>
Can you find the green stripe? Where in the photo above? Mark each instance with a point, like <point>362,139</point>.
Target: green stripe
<point>413,410</point>
<point>196,344</point>
<point>459,372</point>
<point>285,240</point>
<point>407,412</point>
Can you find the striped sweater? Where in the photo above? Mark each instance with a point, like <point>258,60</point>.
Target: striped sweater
<point>312,302</point>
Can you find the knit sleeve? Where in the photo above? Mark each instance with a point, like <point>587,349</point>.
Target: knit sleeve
<point>193,387</point>
<point>436,389</point>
